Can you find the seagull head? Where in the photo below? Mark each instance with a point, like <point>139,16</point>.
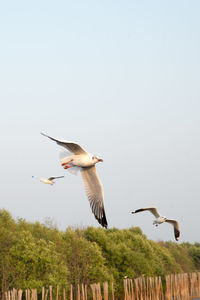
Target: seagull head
<point>96,159</point>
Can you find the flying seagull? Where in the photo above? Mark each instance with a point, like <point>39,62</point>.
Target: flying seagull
<point>160,219</point>
<point>48,180</point>
<point>81,160</point>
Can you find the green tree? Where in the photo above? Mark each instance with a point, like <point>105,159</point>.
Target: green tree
<point>7,236</point>
<point>84,259</point>
<point>36,262</point>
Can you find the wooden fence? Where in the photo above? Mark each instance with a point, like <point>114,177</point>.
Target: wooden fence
<point>172,287</point>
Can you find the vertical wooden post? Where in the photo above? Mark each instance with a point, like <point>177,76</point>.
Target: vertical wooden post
<point>85,291</point>
<point>50,292</point>
<point>105,290</point>
<point>71,292</point>
<point>78,297</point>
<point>57,292</point>
<point>82,292</point>
<point>93,291</point>
<point>43,292</point>
<point>46,294</point>
<point>125,289</point>
<point>20,294</point>
<point>64,294</point>
<point>113,294</point>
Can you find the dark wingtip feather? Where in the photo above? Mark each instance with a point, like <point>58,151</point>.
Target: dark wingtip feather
<point>102,220</point>
<point>50,137</point>
<point>137,210</point>
<point>177,234</point>
<point>46,135</point>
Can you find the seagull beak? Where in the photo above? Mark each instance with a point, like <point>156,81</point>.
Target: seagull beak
<point>101,160</point>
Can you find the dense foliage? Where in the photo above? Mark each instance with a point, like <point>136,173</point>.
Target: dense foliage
<point>33,255</point>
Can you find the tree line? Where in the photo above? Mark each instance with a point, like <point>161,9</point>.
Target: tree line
<point>33,255</point>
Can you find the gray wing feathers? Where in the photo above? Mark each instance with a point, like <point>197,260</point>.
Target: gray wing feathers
<point>153,210</point>
<point>94,191</point>
<point>71,146</point>
<point>176,228</point>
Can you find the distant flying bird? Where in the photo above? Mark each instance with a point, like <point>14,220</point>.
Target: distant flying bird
<point>81,160</point>
<point>160,219</point>
<point>48,180</point>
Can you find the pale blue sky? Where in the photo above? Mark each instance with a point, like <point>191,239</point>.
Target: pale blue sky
<point>122,79</point>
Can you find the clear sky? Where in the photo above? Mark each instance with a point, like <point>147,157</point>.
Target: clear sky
<point>122,79</point>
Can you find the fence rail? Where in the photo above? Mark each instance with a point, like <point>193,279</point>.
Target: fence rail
<point>172,287</point>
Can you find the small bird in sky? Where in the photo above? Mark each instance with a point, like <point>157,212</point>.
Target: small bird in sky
<point>81,160</point>
<point>48,180</point>
<point>161,219</point>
